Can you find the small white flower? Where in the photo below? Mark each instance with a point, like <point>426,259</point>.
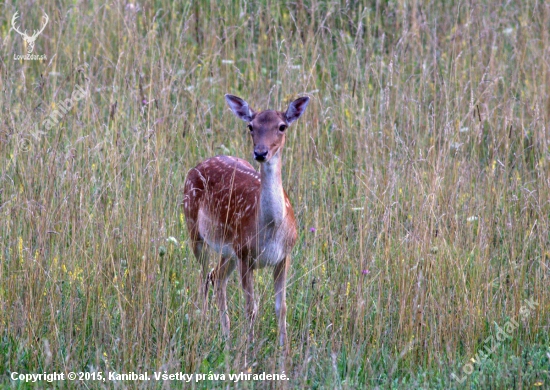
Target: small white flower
<point>172,240</point>
<point>455,146</point>
<point>224,149</point>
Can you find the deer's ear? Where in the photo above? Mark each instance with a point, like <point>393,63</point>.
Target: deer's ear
<point>240,108</point>
<point>296,109</point>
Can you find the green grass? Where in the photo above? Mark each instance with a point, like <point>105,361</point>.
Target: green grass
<point>423,158</point>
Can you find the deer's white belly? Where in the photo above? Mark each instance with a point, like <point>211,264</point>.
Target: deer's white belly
<point>214,235</point>
<point>271,247</point>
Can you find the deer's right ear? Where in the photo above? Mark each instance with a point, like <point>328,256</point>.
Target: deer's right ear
<point>240,108</point>
<point>296,109</point>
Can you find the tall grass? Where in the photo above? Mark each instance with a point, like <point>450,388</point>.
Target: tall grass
<point>422,164</point>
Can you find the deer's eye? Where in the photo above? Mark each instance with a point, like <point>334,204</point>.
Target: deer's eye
<point>282,128</point>
<point>250,127</point>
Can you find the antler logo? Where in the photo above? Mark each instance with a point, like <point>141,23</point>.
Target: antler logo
<point>30,39</point>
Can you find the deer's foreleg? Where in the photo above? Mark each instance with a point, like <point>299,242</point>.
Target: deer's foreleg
<point>279,277</point>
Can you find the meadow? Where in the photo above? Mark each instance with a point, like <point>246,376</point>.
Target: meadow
<point>419,176</point>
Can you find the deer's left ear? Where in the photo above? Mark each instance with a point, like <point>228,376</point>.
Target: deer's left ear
<point>240,107</point>
<point>296,109</point>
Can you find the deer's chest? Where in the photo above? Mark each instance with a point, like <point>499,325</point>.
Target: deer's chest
<point>272,247</point>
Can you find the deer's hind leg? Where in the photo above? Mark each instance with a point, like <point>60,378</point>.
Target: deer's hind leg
<point>247,281</point>
<point>219,277</point>
<point>201,253</point>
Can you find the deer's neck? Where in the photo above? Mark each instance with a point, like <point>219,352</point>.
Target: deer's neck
<point>272,196</point>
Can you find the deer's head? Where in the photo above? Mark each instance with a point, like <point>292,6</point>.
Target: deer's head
<point>267,128</point>
<point>30,38</point>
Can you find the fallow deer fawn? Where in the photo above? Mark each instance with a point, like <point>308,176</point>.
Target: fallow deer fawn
<point>244,216</point>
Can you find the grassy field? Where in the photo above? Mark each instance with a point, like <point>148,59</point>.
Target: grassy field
<point>419,176</point>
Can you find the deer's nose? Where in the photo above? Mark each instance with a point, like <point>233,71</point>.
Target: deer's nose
<point>260,153</point>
